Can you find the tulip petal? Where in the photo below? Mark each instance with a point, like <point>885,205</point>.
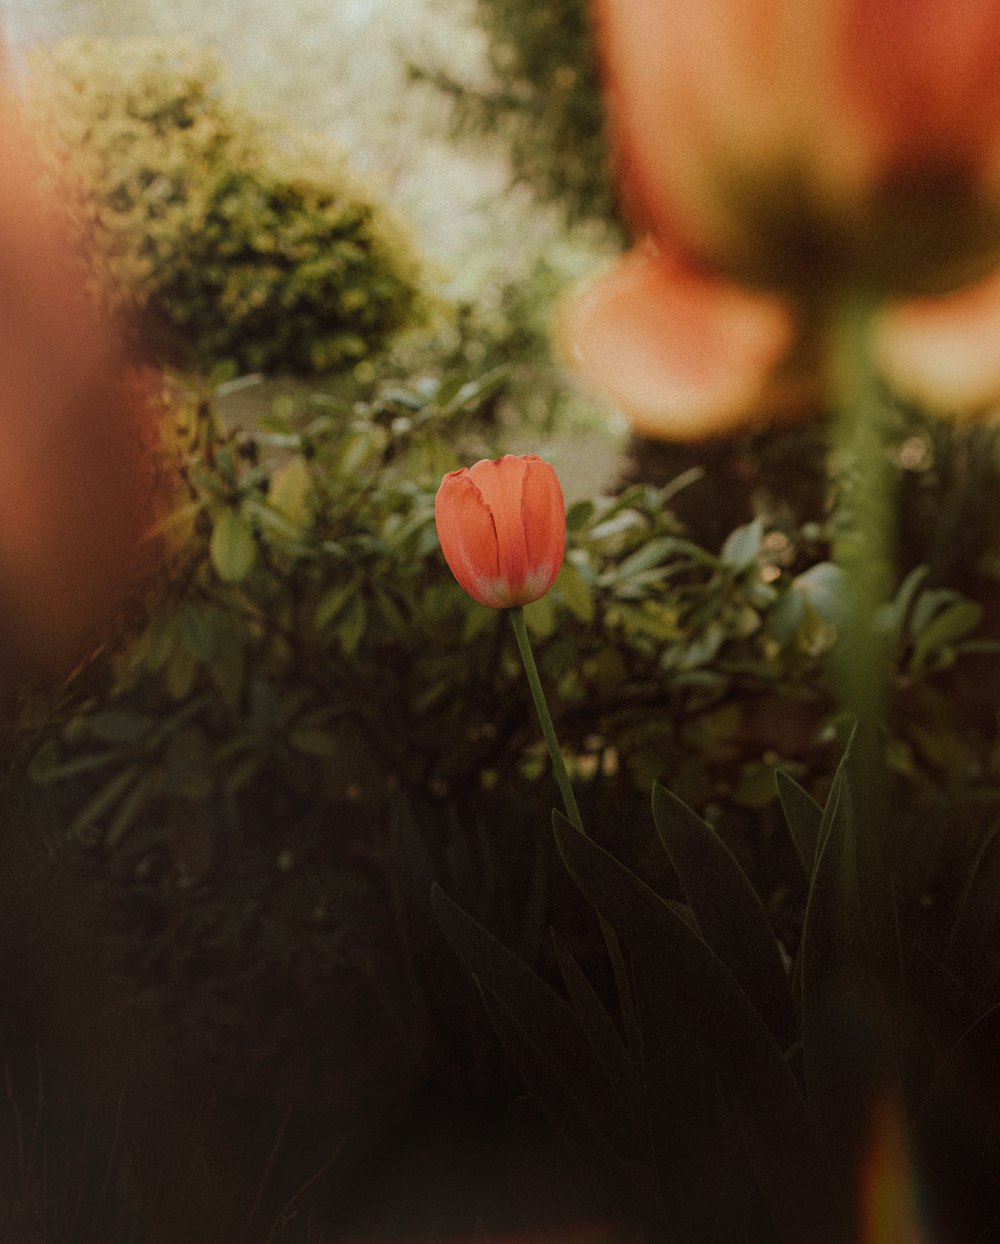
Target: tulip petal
<point>944,352</point>
<point>543,520</point>
<point>468,537</point>
<point>685,355</point>
<point>500,482</point>
<point>926,75</point>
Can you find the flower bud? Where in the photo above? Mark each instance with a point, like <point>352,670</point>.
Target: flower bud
<point>502,527</point>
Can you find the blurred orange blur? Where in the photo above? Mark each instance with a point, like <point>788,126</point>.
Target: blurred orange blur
<point>583,1234</point>
<point>76,481</point>
<point>889,1196</point>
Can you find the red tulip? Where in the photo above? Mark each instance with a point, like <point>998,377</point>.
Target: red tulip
<point>502,527</point>
<point>774,153</point>
<point>795,142</point>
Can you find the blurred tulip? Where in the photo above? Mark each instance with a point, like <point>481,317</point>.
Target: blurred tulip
<point>76,484</point>
<point>794,144</point>
<point>775,154</point>
<point>502,527</point>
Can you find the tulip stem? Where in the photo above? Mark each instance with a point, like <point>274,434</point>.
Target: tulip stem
<point>864,543</point>
<point>626,999</point>
<point>545,717</point>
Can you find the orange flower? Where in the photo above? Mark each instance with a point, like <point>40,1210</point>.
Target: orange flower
<point>774,153</point>
<point>790,143</point>
<point>502,527</point>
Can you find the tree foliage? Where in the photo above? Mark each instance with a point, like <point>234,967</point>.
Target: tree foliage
<point>543,100</point>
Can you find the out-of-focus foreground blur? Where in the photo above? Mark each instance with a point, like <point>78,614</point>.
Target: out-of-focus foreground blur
<point>75,487</point>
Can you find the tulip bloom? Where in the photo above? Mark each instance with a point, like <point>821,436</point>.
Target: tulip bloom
<point>502,527</point>
<point>775,153</point>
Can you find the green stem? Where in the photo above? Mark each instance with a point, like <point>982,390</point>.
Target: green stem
<point>865,545</point>
<point>545,718</point>
<point>626,1000</point>
<point>866,550</point>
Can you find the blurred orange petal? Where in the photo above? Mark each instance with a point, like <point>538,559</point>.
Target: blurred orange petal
<point>685,355</point>
<point>945,352</point>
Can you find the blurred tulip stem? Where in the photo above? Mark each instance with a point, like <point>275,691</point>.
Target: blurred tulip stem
<point>545,717</point>
<point>865,540</point>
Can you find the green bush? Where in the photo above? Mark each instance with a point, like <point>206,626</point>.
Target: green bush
<point>223,236</point>
<point>308,637</point>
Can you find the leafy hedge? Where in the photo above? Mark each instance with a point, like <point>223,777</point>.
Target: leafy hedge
<point>224,236</point>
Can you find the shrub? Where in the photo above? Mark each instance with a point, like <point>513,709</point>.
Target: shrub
<point>307,637</point>
<point>223,236</point>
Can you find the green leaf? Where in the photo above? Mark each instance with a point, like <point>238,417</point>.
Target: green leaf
<point>45,767</point>
<point>187,771</point>
<point>197,631</point>
<point>331,603</point>
<point>605,1040</point>
<point>546,1019</point>
<point>742,545</point>
<point>971,950</point>
<point>291,490</point>
<point>849,961</point>
<point>928,604</point>
<point>825,588</point>
<point>946,628</point>
<point>728,910</point>
<point>654,553</point>
<point>105,799</point>
<point>128,810</point>
<point>473,391</point>
<point>312,741</point>
<point>627,1182</point>
<point>957,1136</point>
<point>746,1056</point>
<point>803,816</point>
<point>351,625</point>
<point>232,547</point>
<point>896,612</point>
<point>575,593</point>
<point>579,514</point>
<point>118,726</point>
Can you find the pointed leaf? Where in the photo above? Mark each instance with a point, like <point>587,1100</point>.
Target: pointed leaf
<point>803,816</point>
<point>730,915</point>
<point>847,1038</point>
<point>232,547</point>
<point>971,950</point>
<point>605,1040</point>
<point>749,1062</point>
<point>626,1182</point>
<point>546,1018</point>
<point>743,545</point>
<point>105,799</point>
<point>957,1132</point>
